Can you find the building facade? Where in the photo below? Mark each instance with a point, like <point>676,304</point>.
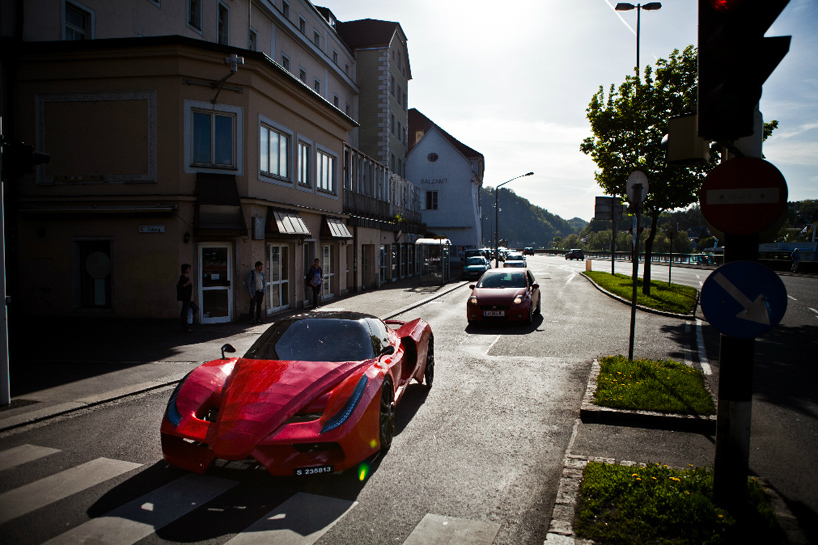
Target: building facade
<point>450,176</point>
<point>204,132</point>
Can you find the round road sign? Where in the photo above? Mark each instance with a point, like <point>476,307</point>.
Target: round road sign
<point>743,196</point>
<point>637,177</point>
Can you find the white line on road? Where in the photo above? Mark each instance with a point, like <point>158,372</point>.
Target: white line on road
<point>791,297</point>
<point>301,520</point>
<point>141,517</point>
<point>24,453</point>
<point>20,501</point>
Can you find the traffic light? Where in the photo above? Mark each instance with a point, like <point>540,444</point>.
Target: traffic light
<point>20,159</point>
<point>735,60</point>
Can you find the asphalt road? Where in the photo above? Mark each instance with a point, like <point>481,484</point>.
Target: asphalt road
<point>478,456</point>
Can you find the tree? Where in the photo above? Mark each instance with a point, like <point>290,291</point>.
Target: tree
<point>628,126</point>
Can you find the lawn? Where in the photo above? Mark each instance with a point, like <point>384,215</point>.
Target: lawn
<point>674,298</point>
<point>652,385</point>
<point>658,505</point>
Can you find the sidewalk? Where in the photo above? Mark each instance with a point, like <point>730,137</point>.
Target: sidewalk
<point>77,363</point>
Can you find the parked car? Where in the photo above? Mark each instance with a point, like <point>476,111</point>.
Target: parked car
<point>575,253</point>
<point>504,295</point>
<point>484,252</point>
<point>514,259</point>
<point>316,393</point>
<point>475,266</point>
<point>528,250</point>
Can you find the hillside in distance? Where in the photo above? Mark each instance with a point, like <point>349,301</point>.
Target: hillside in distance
<point>522,223</point>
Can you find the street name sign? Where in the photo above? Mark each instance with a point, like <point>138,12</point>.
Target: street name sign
<point>743,299</point>
<point>743,196</point>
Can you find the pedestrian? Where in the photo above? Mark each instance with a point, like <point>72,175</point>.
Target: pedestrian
<point>795,256</point>
<point>255,285</point>
<point>184,293</point>
<point>315,276</point>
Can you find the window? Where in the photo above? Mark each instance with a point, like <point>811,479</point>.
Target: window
<point>253,45</point>
<point>335,101</point>
<point>78,23</point>
<point>304,164</point>
<point>328,262</point>
<point>302,75</point>
<point>223,25</point>
<point>335,57</point>
<point>285,62</point>
<point>285,9</point>
<point>194,13</point>
<point>213,139</point>
<point>302,25</point>
<point>431,200</point>
<point>326,172</point>
<point>316,83</point>
<point>274,153</point>
<point>392,123</point>
<point>392,85</point>
<point>316,38</point>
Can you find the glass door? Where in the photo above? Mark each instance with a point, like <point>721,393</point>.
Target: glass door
<point>328,264</point>
<point>278,284</point>
<point>215,278</point>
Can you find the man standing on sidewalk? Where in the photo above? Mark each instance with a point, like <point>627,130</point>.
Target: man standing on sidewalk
<point>255,285</point>
<point>315,276</point>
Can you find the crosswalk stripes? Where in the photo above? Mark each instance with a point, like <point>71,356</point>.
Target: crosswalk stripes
<point>143,516</point>
<point>17,456</point>
<point>300,520</point>
<point>20,501</point>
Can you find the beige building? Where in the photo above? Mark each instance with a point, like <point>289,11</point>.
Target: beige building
<point>204,132</point>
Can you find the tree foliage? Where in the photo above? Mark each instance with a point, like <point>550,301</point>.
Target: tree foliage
<point>628,125</point>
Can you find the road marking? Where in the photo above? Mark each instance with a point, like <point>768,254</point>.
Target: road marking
<point>813,310</point>
<point>703,361</point>
<point>16,456</point>
<point>301,520</point>
<point>20,501</point>
<point>143,516</point>
<point>791,297</point>
<point>452,531</point>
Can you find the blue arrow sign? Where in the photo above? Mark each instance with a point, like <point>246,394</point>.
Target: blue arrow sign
<point>743,299</point>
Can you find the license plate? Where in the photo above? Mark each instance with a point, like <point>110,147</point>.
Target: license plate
<point>302,471</point>
<point>494,313</point>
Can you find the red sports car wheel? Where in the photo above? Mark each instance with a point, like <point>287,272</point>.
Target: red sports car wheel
<point>387,415</point>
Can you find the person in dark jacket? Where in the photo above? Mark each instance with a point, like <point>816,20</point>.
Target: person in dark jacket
<point>184,293</point>
<point>255,285</point>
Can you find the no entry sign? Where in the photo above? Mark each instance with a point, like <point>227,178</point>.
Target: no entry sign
<point>743,196</point>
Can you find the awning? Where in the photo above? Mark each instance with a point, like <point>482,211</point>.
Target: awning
<point>218,208</point>
<point>286,223</point>
<point>334,228</point>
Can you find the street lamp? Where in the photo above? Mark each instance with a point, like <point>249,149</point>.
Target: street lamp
<point>497,218</point>
<point>650,6</point>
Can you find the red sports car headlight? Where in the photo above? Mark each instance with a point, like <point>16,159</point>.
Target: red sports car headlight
<point>349,406</point>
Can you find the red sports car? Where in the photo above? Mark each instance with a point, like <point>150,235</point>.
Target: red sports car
<point>504,295</point>
<point>316,393</point>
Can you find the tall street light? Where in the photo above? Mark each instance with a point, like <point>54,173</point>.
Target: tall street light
<point>650,6</point>
<point>497,218</point>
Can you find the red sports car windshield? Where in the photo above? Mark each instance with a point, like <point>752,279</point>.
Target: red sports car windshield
<point>319,339</point>
<point>503,279</point>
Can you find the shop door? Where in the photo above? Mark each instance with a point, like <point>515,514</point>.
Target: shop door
<point>278,279</point>
<point>215,279</point>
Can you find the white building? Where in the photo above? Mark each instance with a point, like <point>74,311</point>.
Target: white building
<point>449,175</point>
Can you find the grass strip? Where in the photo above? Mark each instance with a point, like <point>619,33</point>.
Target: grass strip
<point>674,298</point>
<point>657,505</point>
<point>652,385</point>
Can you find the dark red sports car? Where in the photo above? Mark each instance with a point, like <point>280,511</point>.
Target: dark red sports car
<point>316,393</point>
<point>511,295</point>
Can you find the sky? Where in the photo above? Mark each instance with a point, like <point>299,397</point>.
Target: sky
<point>514,84</point>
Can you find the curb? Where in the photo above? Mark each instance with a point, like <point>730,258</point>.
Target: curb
<point>643,308</point>
<point>591,413</point>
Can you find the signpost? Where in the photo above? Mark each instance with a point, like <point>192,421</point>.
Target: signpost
<point>637,191</point>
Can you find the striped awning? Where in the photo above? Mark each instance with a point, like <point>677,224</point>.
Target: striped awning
<point>287,223</point>
<point>334,228</point>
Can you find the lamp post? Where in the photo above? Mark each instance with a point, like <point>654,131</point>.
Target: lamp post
<point>497,218</point>
<point>650,6</point>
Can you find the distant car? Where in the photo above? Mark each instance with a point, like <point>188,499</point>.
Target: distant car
<point>504,295</point>
<point>315,394</point>
<point>575,253</point>
<point>514,259</point>
<point>528,250</point>
<point>475,266</point>
<point>481,252</point>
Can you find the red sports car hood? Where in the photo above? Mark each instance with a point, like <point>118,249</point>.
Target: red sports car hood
<point>497,296</point>
<point>261,395</point>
